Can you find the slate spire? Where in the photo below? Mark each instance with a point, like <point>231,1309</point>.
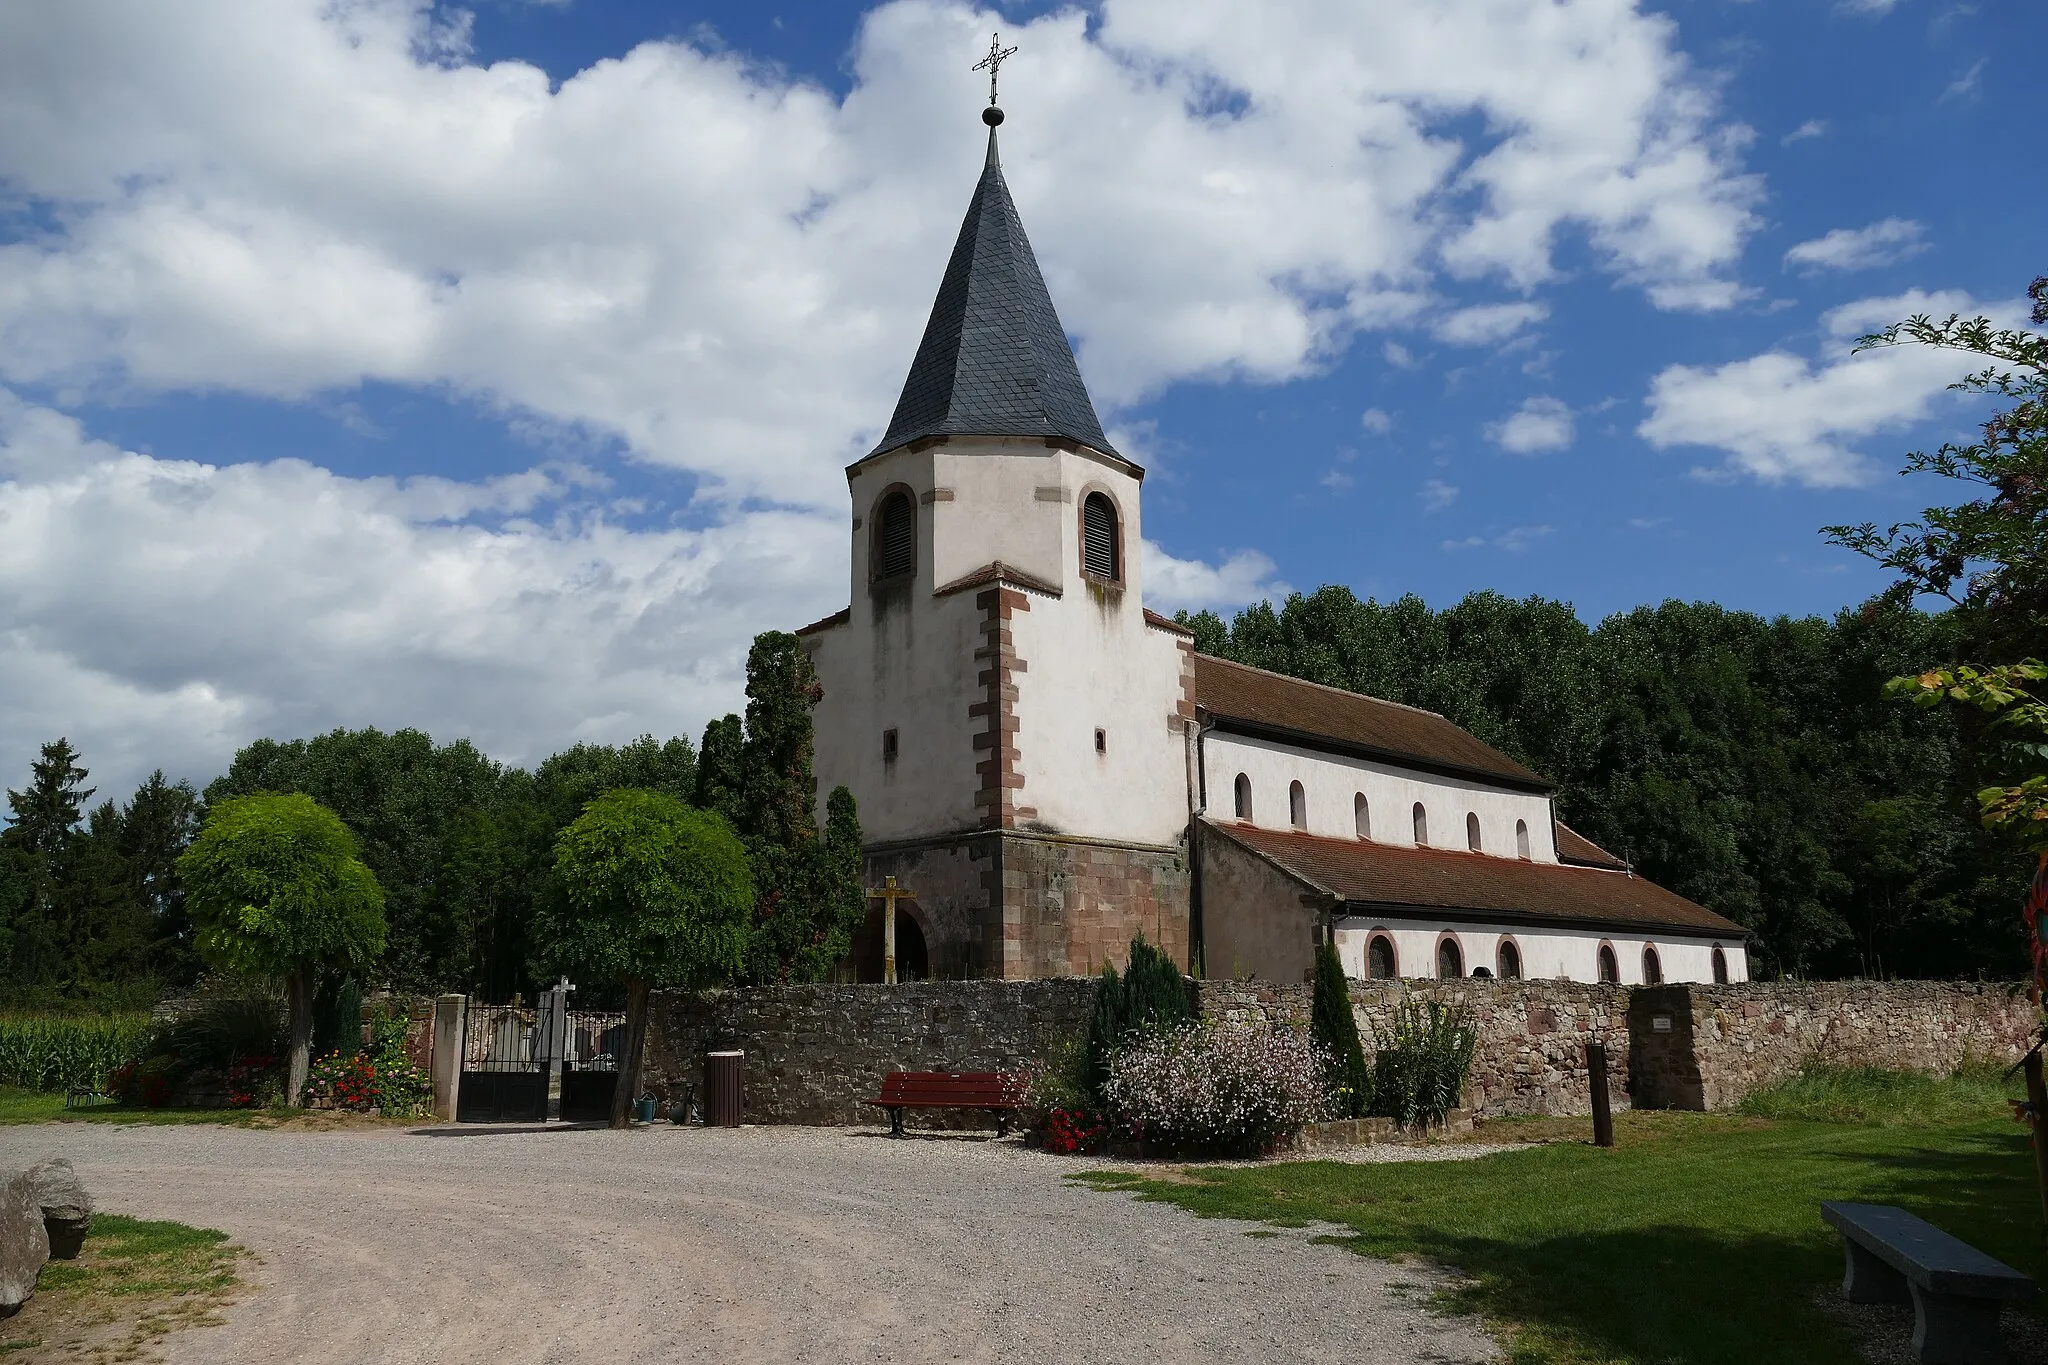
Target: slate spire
<point>994,360</point>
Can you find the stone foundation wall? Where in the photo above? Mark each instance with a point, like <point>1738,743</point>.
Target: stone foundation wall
<point>1070,906</point>
<point>815,1052</point>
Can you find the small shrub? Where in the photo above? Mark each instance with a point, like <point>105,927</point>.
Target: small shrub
<point>1150,998</point>
<point>1335,1030</point>
<point>1419,1071</point>
<point>1204,1088</point>
<point>381,1077</point>
<point>1068,1131</point>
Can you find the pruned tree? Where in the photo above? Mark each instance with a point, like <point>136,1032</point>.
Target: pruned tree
<point>275,886</point>
<point>654,893</point>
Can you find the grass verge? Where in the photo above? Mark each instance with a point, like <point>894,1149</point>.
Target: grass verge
<point>132,1284</point>
<point>1696,1240</point>
<point>43,1106</point>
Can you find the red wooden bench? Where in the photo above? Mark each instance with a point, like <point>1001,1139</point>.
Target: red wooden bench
<point>998,1091</point>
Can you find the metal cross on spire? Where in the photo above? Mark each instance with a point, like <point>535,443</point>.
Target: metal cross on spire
<point>993,62</point>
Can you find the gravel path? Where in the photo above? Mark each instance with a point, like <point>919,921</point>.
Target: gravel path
<point>761,1244</point>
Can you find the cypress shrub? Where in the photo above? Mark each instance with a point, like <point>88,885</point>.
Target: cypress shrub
<point>338,1017</point>
<point>1148,999</point>
<point>1336,1033</point>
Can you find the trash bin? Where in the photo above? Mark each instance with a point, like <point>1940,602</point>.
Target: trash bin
<point>643,1108</point>
<point>722,1089</point>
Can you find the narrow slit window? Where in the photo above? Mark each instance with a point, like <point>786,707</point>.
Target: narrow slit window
<point>1522,840</point>
<point>1472,830</point>
<point>1421,825</point>
<point>1101,741</point>
<point>1297,806</point>
<point>1243,791</point>
<point>895,537</point>
<point>1101,554</point>
<point>1361,816</point>
<point>888,746</point>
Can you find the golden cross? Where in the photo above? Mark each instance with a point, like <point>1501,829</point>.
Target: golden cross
<point>889,893</point>
<point>993,62</point>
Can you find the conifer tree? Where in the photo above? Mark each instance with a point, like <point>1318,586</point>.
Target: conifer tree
<point>758,774</point>
<point>1335,1030</point>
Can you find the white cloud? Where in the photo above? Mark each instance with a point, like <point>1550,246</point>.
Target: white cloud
<point>1874,8</point>
<point>1813,127</point>
<point>725,269</point>
<point>1514,540</point>
<point>1437,495</point>
<point>1376,420</point>
<point>1488,323</point>
<point>1967,85</point>
<point>1780,416</point>
<point>1882,243</point>
<point>166,612</point>
<point>729,270</point>
<point>1540,424</point>
<point>1246,576</point>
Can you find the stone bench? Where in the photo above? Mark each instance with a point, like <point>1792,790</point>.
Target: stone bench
<point>1956,1290</point>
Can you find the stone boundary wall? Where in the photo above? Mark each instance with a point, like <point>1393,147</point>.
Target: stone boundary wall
<point>815,1052</point>
<point>1532,1034</point>
<point>1724,1042</point>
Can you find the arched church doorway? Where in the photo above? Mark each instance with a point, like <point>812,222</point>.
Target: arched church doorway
<point>913,955</point>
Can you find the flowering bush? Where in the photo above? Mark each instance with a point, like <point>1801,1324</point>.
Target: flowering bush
<point>148,1082</point>
<point>383,1078</point>
<point>1074,1130</point>
<point>252,1081</point>
<point>1216,1088</point>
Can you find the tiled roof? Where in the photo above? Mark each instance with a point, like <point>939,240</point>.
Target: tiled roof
<point>1391,878</point>
<point>1574,847</point>
<point>994,360</point>
<point>998,572</point>
<point>1350,721</point>
<point>837,618</point>
<point>1154,619</point>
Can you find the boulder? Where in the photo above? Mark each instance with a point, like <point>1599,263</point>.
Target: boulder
<point>24,1246</point>
<point>67,1208</point>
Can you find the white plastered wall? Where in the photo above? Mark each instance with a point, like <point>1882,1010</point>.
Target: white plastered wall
<point>905,660</point>
<point>1547,954</point>
<point>1331,782</point>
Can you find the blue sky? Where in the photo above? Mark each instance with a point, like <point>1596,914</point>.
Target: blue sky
<point>490,369</point>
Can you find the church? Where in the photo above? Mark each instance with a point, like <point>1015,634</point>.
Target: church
<point>1048,768</point>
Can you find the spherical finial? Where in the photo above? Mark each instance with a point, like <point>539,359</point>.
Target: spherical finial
<point>991,116</point>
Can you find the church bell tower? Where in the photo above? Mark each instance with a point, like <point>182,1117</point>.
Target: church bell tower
<point>1007,714</point>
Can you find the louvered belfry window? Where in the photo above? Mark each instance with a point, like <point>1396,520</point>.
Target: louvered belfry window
<point>895,537</point>
<point>1098,537</point>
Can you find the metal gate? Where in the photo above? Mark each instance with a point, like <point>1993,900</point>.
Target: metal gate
<point>504,1066</point>
<point>590,1068</point>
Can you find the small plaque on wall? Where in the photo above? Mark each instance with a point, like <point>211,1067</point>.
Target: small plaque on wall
<point>1660,1023</point>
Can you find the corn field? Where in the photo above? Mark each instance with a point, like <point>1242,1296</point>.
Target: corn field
<point>55,1052</point>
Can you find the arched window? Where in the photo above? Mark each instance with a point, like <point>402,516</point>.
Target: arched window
<point>1244,797</point>
<point>1450,959</point>
<point>1720,967</point>
<point>1101,539</point>
<point>1653,970</point>
<point>1421,825</point>
<point>1297,806</point>
<point>1522,840</point>
<point>1610,971</point>
<point>1379,958</point>
<point>1472,830</point>
<point>895,554</point>
<point>1361,816</point>
<point>1509,960</point>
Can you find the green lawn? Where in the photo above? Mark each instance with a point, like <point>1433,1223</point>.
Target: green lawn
<point>43,1106</point>
<point>133,1283</point>
<point>1696,1240</point>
